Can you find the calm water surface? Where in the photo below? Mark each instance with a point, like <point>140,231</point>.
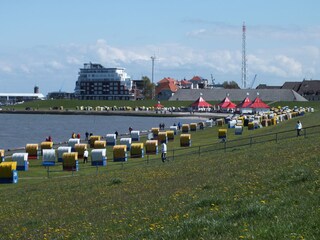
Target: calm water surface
<point>19,129</point>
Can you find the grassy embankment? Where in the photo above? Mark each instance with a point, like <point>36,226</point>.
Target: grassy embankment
<point>72,104</point>
<point>268,191</point>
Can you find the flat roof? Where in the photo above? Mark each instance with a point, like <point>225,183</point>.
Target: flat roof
<point>38,95</point>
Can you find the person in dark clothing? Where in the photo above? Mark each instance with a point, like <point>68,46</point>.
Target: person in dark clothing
<point>87,136</point>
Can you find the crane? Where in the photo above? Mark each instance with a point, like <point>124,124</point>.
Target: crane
<point>212,80</point>
<point>253,81</point>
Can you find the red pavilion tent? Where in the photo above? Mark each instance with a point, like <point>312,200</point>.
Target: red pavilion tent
<point>245,103</point>
<point>201,103</point>
<point>158,105</point>
<point>227,104</point>
<point>259,105</point>
<point>244,106</point>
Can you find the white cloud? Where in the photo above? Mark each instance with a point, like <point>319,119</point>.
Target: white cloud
<point>62,63</point>
<point>276,65</point>
<point>73,60</point>
<point>115,56</point>
<point>55,65</point>
<point>25,68</point>
<point>292,67</point>
<point>197,33</point>
<point>5,68</point>
<point>312,52</point>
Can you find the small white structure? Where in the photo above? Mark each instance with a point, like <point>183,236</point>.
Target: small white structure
<point>281,117</point>
<point>239,122</point>
<point>209,123</point>
<point>135,135</point>
<point>174,129</point>
<point>232,123</point>
<point>256,124</point>
<point>126,141</point>
<point>238,130</point>
<point>49,157</point>
<point>289,115</point>
<point>61,150</point>
<point>98,157</point>
<point>72,142</point>
<point>22,161</point>
<point>111,139</point>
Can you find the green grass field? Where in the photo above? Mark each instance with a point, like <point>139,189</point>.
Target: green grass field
<point>267,191</point>
<point>72,104</point>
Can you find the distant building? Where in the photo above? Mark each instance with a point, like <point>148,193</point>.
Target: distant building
<point>291,85</point>
<point>268,95</point>
<point>185,84</point>
<point>13,98</point>
<point>137,89</point>
<point>60,95</point>
<point>36,89</point>
<point>166,88</point>
<point>309,89</point>
<point>196,82</point>
<point>199,82</point>
<point>265,86</point>
<point>96,82</point>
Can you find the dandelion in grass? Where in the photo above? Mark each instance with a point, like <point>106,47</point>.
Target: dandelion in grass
<point>152,226</point>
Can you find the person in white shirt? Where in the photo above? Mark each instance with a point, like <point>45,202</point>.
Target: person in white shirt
<point>85,156</point>
<point>298,127</point>
<point>164,152</point>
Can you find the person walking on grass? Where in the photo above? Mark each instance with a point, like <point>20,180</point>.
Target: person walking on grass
<point>85,156</point>
<point>164,152</point>
<point>298,128</point>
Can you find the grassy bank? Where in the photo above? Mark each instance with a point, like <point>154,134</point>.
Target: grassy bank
<point>268,191</point>
<point>72,104</point>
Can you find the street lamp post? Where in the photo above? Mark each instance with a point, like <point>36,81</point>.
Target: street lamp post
<point>152,74</point>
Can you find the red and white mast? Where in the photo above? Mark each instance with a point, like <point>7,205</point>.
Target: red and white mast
<point>244,58</point>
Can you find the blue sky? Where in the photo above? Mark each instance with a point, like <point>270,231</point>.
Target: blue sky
<point>45,42</point>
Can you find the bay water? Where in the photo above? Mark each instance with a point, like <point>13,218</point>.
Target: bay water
<point>16,130</point>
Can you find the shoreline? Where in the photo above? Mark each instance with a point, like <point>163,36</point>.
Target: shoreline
<point>208,115</point>
<point>197,115</point>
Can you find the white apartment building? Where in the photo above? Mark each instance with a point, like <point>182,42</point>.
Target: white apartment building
<point>96,82</point>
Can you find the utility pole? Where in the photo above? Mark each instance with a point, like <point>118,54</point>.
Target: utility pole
<point>152,74</point>
<point>152,59</point>
<point>244,58</point>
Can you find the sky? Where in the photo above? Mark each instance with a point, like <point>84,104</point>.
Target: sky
<point>46,42</point>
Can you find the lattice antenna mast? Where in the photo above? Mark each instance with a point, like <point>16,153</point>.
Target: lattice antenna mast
<point>244,57</point>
